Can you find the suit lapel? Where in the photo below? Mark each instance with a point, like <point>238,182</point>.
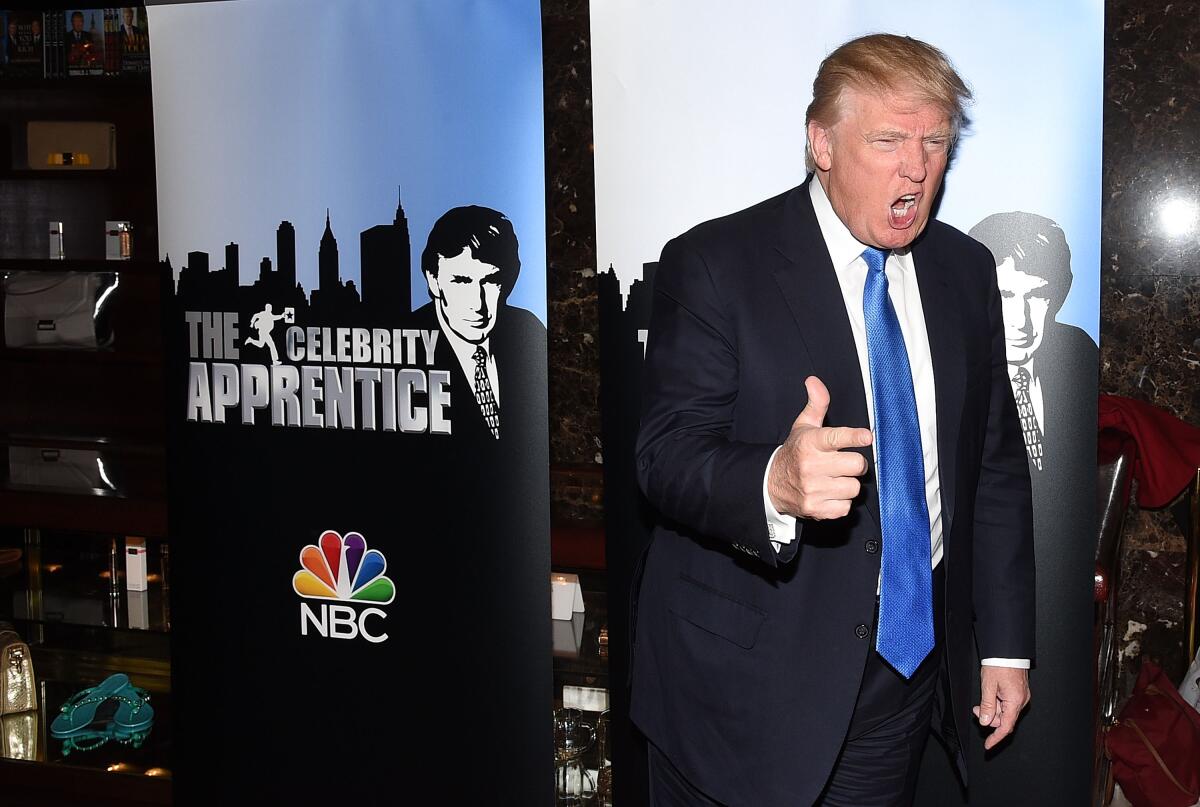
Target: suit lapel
<point>943,323</point>
<point>809,286</point>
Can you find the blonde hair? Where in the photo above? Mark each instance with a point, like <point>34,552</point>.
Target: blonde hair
<point>887,63</point>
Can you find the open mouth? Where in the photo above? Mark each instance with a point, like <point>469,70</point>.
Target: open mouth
<point>903,212</point>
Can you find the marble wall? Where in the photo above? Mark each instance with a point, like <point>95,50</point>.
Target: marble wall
<point>576,452</point>
<point>1150,279</point>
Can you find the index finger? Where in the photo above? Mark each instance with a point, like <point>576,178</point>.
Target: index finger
<point>834,438</point>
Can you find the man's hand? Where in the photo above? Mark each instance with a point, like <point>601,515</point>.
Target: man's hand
<point>1004,693</point>
<point>811,476</point>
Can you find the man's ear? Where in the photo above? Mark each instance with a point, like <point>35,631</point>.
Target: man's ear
<point>435,290</point>
<point>819,143</point>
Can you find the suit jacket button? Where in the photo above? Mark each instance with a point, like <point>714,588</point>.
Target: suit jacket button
<point>862,631</point>
<point>872,546</point>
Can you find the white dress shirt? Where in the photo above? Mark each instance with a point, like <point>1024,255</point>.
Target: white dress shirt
<point>464,351</point>
<point>846,253</point>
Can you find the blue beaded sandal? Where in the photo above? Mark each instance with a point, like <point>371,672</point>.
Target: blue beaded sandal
<point>78,716</point>
<point>111,710</point>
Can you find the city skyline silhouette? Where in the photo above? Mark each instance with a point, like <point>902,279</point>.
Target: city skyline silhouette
<point>385,272</point>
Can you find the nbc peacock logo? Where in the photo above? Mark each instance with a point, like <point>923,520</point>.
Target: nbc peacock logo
<point>342,573</point>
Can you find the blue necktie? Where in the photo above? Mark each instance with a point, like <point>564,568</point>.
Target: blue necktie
<point>905,633</point>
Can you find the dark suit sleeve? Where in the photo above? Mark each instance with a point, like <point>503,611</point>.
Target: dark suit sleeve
<point>1003,529</point>
<point>688,466</point>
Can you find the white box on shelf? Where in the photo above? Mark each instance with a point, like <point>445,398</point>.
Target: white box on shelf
<point>566,596</point>
<point>135,564</point>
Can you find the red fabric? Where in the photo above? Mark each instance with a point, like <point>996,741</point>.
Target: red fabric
<point>1168,448</point>
<point>1156,717</point>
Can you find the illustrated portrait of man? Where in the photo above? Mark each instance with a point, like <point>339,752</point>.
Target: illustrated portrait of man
<point>844,544</point>
<point>471,263</point>
<point>1046,358</point>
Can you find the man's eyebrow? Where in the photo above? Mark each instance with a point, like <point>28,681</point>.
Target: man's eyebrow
<point>888,133</point>
<point>903,135</point>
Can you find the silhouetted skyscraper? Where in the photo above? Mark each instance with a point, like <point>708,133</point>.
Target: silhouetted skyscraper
<point>285,253</point>
<point>206,287</point>
<point>386,255</point>
<point>327,260</point>
<point>197,262</point>
<point>231,258</point>
<point>264,270</point>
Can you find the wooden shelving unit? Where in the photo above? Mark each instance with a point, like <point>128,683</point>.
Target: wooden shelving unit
<point>107,404</point>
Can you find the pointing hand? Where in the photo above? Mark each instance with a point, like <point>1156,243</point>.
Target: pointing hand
<point>811,476</point>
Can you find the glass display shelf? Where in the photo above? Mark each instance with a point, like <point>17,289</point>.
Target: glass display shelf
<point>69,579</point>
<point>153,755</point>
<point>581,681</point>
<point>140,266</point>
<point>91,602</point>
<point>68,657</point>
<point>33,762</point>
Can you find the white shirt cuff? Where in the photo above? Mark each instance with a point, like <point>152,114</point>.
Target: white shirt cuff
<point>781,529</point>
<point>1019,663</point>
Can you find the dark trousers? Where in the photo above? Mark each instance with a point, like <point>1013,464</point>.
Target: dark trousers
<point>877,765</point>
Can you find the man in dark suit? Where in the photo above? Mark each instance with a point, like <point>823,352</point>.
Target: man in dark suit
<point>128,29</point>
<point>829,436</point>
<point>78,36</point>
<point>496,352</point>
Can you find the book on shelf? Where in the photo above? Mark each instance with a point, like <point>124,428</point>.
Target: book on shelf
<point>84,43</point>
<point>112,54</point>
<point>24,43</point>
<point>109,41</point>
<point>134,37</point>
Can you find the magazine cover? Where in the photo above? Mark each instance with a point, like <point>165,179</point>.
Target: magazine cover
<point>22,43</point>
<point>83,43</point>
